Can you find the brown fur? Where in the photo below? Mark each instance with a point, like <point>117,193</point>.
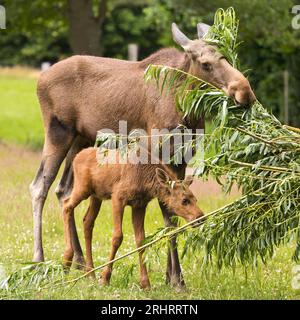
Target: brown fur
<point>125,184</point>
<point>86,94</point>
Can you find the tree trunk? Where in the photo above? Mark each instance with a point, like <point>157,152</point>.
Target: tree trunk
<point>86,28</point>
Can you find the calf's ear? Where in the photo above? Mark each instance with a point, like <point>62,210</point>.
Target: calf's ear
<point>162,177</point>
<point>188,180</point>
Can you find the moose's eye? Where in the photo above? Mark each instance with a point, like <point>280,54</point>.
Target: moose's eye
<point>206,66</point>
<point>185,202</point>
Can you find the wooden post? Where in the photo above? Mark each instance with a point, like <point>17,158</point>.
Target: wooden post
<point>45,65</point>
<point>286,96</point>
<point>2,18</point>
<point>133,52</point>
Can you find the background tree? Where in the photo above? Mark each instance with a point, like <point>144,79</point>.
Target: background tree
<point>42,30</point>
<point>85,25</point>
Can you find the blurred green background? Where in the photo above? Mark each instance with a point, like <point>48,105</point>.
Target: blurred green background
<point>42,30</point>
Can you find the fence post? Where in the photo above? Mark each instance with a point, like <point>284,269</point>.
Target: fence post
<point>133,52</point>
<point>286,96</point>
<point>2,18</point>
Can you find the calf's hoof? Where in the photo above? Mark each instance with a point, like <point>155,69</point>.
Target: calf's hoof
<point>145,285</point>
<point>67,261</point>
<point>104,282</point>
<point>90,273</point>
<point>105,278</point>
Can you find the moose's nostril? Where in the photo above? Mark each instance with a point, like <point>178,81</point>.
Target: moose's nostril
<point>237,103</point>
<point>200,217</point>
<point>230,92</point>
<point>241,92</point>
<point>199,222</point>
<point>244,97</point>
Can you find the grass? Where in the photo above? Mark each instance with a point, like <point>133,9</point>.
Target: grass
<point>20,118</point>
<point>20,125</point>
<point>267,282</point>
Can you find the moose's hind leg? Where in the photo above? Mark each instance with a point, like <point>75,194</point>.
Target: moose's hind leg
<point>57,143</point>
<point>64,187</point>
<point>174,273</point>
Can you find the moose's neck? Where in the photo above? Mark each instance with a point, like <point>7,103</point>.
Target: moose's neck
<point>168,57</point>
<point>190,121</point>
<point>185,64</point>
<point>176,59</point>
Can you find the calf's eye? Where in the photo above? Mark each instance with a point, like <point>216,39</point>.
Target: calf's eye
<point>185,202</point>
<point>206,66</point>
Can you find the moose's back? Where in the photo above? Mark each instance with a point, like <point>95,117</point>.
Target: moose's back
<point>92,93</point>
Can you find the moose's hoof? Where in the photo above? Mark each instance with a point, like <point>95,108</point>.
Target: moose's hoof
<point>177,283</point>
<point>180,288</point>
<point>38,257</point>
<point>78,262</point>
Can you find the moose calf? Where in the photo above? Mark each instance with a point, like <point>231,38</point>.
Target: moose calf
<point>125,184</point>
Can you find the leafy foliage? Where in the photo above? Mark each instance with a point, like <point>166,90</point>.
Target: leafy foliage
<point>252,149</point>
<point>203,98</point>
<point>263,158</point>
<point>223,34</point>
<point>32,276</point>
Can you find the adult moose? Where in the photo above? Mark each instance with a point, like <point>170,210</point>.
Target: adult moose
<point>84,94</point>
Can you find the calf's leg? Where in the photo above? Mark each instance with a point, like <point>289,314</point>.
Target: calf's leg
<point>78,259</point>
<point>138,218</point>
<point>88,222</point>
<point>69,205</point>
<point>117,238</point>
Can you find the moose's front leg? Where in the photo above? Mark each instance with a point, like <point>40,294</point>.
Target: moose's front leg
<point>174,273</point>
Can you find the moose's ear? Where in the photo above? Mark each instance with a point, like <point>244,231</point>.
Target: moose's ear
<point>202,29</point>
<point>179,37</point>
<point>188,180</point>
<point>162,177</point>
